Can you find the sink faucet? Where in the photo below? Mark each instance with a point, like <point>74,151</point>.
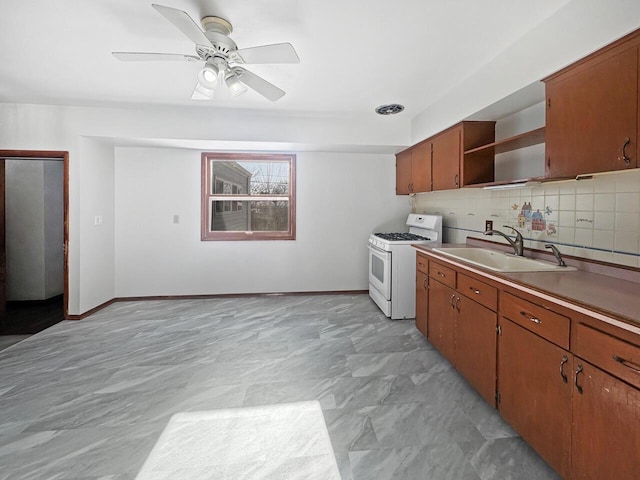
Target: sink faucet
<point>518,244</point>
<point>556,253</point>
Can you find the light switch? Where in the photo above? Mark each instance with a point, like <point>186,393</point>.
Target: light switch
<point>176,219</point>
<point>97,220</point>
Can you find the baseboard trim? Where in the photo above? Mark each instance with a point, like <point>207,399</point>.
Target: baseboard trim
<point>90,312</point>
<point>210,296</point>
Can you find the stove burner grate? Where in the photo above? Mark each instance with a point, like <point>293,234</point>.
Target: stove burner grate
<point>396,237</point>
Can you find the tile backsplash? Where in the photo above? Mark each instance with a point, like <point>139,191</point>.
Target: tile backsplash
<point>596,218</point>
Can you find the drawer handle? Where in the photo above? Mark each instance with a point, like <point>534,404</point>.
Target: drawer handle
<point>565,359</point>
<point>578,372</point>
<point>442,274</point>
<point>475,290</point>
<point>530,317</point>
<point>626,363</point>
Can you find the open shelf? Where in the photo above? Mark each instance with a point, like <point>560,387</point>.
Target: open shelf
<point>534,137</point>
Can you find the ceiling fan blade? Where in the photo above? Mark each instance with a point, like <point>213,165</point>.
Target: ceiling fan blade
<point>259,84</point>
<point>276,53</point>
<point>202,93</point>
<point>152,57</point>
<point>183,22</point>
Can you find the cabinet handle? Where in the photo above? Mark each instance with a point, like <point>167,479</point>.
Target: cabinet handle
<point>565,359</point>
<point>451,301</point>
<point>456,180</point>
<point>475,290</point>
<point>626,159</point>
<point>424,284</point>
<point>626,363</point>
<point>530,317</point>
<point>442,274</point>
<point>578,372</point>
<point>458,304</point>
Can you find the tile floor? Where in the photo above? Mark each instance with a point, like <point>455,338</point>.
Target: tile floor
<point>88,400</point>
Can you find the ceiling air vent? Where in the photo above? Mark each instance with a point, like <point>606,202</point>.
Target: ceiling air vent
<point>390,109</point>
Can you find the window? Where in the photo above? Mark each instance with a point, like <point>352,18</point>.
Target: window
<point>248,196</point>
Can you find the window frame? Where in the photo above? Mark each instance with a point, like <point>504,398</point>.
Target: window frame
<point>207,197</point>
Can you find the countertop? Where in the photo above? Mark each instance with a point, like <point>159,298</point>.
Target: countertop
<point>612,296</point>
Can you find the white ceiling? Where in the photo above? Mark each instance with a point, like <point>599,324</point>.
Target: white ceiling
<point>355,54</point>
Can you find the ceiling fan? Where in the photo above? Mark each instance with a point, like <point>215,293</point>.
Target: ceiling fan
<point>223,61</point>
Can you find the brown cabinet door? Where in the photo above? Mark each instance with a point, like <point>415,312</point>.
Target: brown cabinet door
<point>422,299</point>
<point>476,346</point>
<point>606,426</point>
<point>421,167</point>
<point>592,111</point>
<point>442,318</point>
<point>446,149</point>
<point>403,173</point>
<point>534,397</point>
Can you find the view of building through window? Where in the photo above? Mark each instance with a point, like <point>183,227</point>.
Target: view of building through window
<point>248,196</point>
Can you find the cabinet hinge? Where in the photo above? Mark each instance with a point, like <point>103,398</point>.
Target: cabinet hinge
<point>499,330</point>
<point>497,397</point>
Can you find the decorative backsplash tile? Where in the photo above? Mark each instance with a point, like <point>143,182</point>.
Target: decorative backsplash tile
<point>596,218</point>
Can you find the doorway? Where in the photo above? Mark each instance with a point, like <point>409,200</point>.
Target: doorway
<point>33,287</point>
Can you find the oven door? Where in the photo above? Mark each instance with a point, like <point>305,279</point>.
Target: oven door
<point>380,271</point>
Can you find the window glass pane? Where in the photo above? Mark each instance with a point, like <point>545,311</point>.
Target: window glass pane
<point>251,216</point>
<point>256,178</point>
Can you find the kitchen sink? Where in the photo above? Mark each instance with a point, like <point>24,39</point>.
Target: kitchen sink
<point>501,261</point>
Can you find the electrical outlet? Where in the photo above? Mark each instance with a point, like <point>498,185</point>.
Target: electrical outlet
<point>488,225</point>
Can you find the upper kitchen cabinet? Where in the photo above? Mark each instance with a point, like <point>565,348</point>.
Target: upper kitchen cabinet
<point>403,172</point>
<point>413,169</point>
<point>592,112</point>
<point>451,168</point>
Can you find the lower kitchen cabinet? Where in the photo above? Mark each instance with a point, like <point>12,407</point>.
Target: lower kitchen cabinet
<point>535,392</point>
<point>606,426</point>
<point>567,381</point>
<point>464,331</point>
<point>442,316</point>
<point>475,340</point>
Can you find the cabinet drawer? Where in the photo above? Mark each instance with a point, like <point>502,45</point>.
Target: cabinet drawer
<point>422,264</point>
<point>616,356</point>
<point>478,291</point>
<point>550,325</point>
<point>443,274</point>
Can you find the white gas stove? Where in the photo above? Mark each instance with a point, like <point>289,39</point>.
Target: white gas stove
<point>392,264</point>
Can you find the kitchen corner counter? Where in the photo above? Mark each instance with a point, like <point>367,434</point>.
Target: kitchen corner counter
<point>606,290</point>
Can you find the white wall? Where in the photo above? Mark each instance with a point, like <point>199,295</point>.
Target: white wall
<point>96,244</point>
<point>341,199</point>
<point>53,186</point>
<point>89,133</point>
<point>34,228</point>
<point>25,230</point>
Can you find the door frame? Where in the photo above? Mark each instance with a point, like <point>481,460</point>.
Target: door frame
<point>51,154</point>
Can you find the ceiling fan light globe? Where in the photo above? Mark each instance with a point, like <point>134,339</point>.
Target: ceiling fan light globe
<point>236,87</point>
<point>208,76</point>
